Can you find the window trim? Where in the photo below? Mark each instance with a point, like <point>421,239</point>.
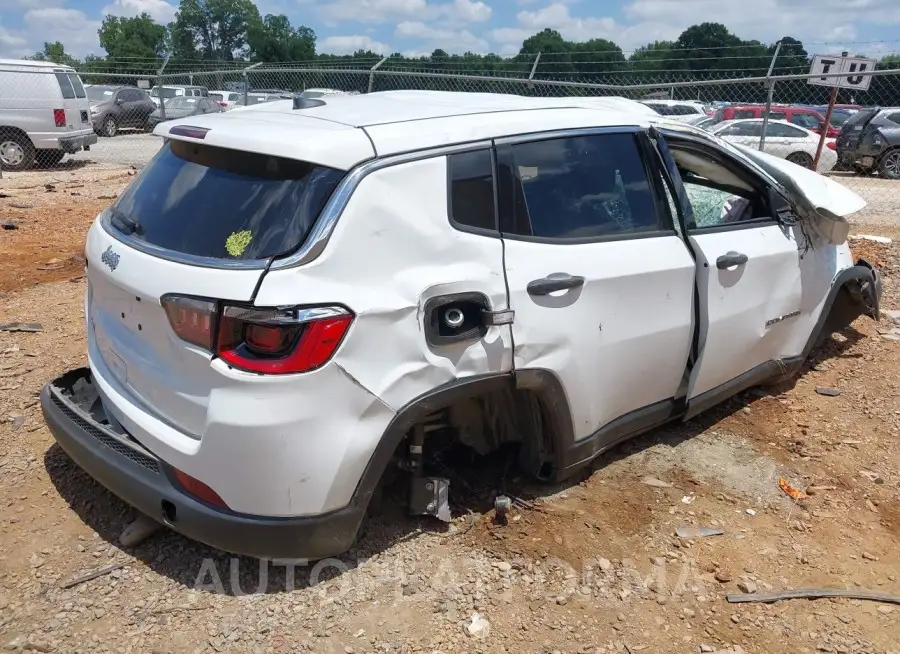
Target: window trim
<point>462,227</point>
<point>504,151</point>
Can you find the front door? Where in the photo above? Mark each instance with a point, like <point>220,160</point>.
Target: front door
<point>748,274</point>
<point>601,284</point>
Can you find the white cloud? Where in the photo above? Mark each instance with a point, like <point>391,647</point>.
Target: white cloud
<point>341,45</point>
<point>813,21</point>
<point>445,39</point>
<point>12,45</point>
<point>159,10</point>
<point>69,26</point>
<point>381,11</point>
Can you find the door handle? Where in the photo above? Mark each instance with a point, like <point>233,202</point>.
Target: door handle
<point>554,282</point>
<point>730,260</point>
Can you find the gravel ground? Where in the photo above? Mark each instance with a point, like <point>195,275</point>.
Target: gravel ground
<point>125,149</point>
<point>593,566</point>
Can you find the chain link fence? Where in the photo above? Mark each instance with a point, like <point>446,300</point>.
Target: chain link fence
<point>866,160</point>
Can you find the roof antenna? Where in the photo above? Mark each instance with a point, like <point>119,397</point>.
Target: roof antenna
<point>307,103</point>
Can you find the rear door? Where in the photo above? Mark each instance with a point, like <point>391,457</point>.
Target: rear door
<point>199,224</point>
<point>74,101</point>
<point>601,284</point>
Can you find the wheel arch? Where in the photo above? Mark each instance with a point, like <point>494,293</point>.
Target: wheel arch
<point>855,291</point>
<point>544,384</point>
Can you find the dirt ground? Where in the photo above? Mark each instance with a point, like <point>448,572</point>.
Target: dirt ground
<point>594,566</point>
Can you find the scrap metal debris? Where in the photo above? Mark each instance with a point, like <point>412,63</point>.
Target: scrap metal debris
<point>655,483</point>
<point>9,225</point>
<point>789,490</point>
<point>689,531</point>
<point>139,530</point>
<point>813,593</point>
<point>20,327</point>
<point>92,575</point>
<point>828,392</point>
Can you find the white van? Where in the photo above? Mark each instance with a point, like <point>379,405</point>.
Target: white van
<point>177,91</point>
<point>44,114</point>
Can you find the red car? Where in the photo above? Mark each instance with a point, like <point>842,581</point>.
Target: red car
<point>802,116</point>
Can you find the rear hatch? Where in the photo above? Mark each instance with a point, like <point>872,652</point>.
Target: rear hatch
<point>75,104</point>
<point>192,234</point>
<point>854,127</point>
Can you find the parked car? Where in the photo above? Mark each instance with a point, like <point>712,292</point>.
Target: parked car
<point>801,116</point>
<point>44,114</point>
<point>176,91</point>
<point>226,99</point>
<point>677,108</point>
<point>870,142</point>
<point>115,107</point>
<point>698,120</point>
<point>182,107</point>
<point>783,139</point>
<point>526,285</point>
<point>255,98</point>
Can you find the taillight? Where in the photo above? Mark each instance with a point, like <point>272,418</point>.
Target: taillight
<point>192,320</point>
<point>266,341</point>
<point>59,117</point>
<point>280,341</point>
<point>198,489</point>
<point>831,145</point>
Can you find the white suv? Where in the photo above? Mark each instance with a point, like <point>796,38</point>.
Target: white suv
<point>44,114</point>
<point>289,298</point>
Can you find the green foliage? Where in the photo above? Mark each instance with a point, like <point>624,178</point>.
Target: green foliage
<point>56,53</point>
<point>214,29</point>
<point>140,39</point>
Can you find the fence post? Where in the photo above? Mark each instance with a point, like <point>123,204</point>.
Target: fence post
<point>534,66</point>
<point>159,85</point>
<point>372,72</point>
<point>770,85</point>
<point>247,79</point>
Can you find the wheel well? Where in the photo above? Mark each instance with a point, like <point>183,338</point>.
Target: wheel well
<point>506,418</point>
<point>4,130</point>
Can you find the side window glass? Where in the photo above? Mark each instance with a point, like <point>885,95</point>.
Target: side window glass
<point>65,85</point>
<point>894,118</point>
<point>472,189</point>
<point>584,187</point>
<point>744,113</point>
<point>713,208</point>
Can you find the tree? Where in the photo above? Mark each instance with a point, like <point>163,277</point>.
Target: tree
<point>56,53</point>
<point>213,29</point>
<point>703,47</point>
<point>273,39</point>
<point>138,39</point>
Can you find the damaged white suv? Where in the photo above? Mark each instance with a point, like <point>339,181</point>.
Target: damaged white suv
<point>289,299</point>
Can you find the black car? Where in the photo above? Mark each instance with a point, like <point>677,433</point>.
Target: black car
<point>869,142</point>
<point>115,107</point>
<point>183,106</point>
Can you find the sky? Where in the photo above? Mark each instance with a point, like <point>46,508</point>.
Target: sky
<point>417,27</point>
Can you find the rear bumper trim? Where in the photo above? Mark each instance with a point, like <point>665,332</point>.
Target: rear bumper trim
<point>73,144</point>
<point>139,478</point>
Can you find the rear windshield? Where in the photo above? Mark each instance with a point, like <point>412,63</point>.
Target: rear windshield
<point>166,91</point>
<point>214,202</point>
<point>860,118</point>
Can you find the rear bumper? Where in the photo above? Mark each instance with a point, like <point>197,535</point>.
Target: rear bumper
<point>73,144</point>
<point>144,481</point>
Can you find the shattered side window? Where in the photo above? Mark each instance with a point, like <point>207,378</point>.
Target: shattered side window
<point>713,208</point>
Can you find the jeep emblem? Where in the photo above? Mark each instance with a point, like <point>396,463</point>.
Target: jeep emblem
<point>110,258</point>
